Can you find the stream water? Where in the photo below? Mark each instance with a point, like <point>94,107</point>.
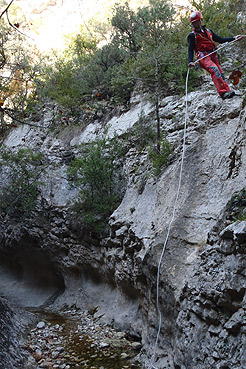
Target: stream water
<point>61,335</point>
<point>75,339</point>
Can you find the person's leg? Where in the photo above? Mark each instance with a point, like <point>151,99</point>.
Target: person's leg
<point>214,69</point>
<point>215,59</point>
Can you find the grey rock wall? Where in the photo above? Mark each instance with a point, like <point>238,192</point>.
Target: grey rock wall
<point>211,324</point>
<point>11,326</point>
<point>202,287</point>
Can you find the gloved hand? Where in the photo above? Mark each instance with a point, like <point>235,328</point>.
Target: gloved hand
<point>239,37</point>
<point>191,65</point>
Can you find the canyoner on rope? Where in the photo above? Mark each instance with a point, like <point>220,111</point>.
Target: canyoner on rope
<point>202,41</point>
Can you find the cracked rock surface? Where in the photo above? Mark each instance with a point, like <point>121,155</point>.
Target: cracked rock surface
<point>212,307</point>
<point>202,276</point>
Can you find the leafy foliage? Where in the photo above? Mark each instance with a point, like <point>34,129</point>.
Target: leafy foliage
<point>95,174</point>
<point>159,159</point>
<point>59,84</point>
<point>220,16</point>
<point>143,133</point>
<point>236,207</point>
<point>17,62</point>
<point>21,172</point>
<point>74,78</point>
<point>127,29</point>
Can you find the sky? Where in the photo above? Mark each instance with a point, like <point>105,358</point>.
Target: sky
<point>50,20</point>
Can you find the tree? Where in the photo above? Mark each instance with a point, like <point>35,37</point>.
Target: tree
<point>21,172</point>
<point>95,174</point>
<point>157,19</point>
<point>17,69</point>
<point>145,35</point>
<point>127,28</point>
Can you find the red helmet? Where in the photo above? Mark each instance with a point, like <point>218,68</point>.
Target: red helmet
<point>196,16</point>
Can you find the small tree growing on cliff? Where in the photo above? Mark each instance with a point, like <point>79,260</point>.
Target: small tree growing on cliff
<point>95,174</point>
<point>146,39</point>
<point>20,173</point>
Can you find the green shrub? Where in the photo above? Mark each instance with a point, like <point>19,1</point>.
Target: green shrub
<point>142,133</point>
<point>236,207</point>
<point>21,172</point>
<point>123,80</point>
<point>95,174</point>
<point>159,159</point>
<point>220,16</point>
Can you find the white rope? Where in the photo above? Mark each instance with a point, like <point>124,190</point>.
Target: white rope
<point>169,227</point>
<point>153,358</point>
<point>218,48</point>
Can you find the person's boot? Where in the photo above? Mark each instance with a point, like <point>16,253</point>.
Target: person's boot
<point>228,95</point>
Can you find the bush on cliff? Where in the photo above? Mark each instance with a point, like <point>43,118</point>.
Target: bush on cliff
<point>21,172</point>
<point>96,175</point>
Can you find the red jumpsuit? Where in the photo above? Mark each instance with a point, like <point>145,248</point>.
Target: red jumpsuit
<point>203,43</point>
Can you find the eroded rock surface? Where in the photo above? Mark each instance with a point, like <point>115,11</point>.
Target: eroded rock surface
<point>202,285</point>
<point>212,307</point>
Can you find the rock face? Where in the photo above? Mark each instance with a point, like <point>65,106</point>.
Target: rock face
<point>202,275</point>
<point>10,325</point>
<point>212,305</point>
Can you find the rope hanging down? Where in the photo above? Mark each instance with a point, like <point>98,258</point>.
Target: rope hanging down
<point>169,227</point>
<point>153,358</point>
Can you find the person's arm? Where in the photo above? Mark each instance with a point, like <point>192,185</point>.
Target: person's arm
<point>191,47</point>
<point>222,40</point>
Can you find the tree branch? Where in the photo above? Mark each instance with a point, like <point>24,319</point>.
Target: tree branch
<point>5,10</point>
<point>12,25</point>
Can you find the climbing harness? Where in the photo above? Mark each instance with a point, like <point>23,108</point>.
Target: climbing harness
<point>153,358</point>
<point>214,51</point>
<point>207,38</point>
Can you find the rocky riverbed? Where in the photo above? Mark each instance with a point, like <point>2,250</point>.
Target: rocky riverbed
<point>75,339</point>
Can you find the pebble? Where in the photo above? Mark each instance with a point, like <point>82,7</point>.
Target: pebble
<point>136,345</point>
<point>120,335</point>
<point>41,325</point>
<point>79,341</point>
<point>104,345</point>
<point>124,356</point>
<point>60,349</point>
<point>55,355</point>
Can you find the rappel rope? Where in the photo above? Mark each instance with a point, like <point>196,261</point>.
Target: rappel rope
<point>153,358</point>
<point>169,227</point>
<point>218,48</point>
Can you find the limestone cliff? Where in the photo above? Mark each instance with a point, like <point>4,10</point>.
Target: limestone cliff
<point>202,280</point>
